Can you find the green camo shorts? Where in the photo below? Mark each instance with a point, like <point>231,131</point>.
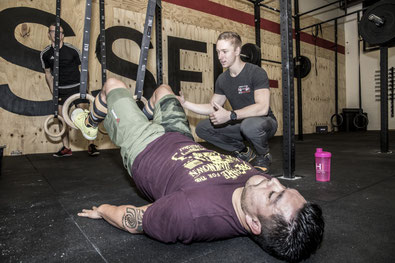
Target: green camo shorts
<point>130,129</point>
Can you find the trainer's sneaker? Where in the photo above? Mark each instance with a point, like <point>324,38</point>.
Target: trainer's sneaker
<point>247,156</point>
<point>63,152</point>
<point>78,117</point>
<point>92,151</point>
<point>262,162</point>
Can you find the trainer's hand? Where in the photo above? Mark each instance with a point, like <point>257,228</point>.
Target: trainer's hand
<point>91,213</point>
<point>220,115</point>
<point>181,98</point>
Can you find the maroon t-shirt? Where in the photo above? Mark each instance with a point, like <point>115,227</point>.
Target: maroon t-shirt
<point>192,190</point>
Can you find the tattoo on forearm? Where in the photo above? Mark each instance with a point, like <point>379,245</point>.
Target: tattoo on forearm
<point>133,219</point>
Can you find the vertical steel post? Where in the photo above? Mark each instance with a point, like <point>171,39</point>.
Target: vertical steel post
<point>257,17</point>
<point>392,90</point>
<point>336,73</point>
<point>288,88</point>
<point>384,99</point>
<point>299,79</point>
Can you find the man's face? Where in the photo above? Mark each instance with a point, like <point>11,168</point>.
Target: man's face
<point>227,53</point>
<point>265,197</point>
<point>51,34</point>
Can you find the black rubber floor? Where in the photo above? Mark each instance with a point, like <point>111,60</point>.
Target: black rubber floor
<point>40,196</point>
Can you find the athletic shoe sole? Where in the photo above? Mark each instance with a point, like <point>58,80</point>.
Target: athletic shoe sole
<point>64,155</point>
<point>74,115</point>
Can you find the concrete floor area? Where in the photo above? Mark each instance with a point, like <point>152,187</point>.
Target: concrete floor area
<point>40,196</point>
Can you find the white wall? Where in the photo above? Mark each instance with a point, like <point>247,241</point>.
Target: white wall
<point>369,62</point>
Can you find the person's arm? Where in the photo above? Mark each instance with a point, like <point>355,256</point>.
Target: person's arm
<point>259,108</point>
<point>204,109</point>
<point>125,217</point>
<point>49,79</point>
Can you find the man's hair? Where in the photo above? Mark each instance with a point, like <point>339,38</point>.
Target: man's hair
<point>234,38</point>
<point>292,241</point>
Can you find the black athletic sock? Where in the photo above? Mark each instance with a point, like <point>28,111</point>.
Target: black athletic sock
<point>98,112</point>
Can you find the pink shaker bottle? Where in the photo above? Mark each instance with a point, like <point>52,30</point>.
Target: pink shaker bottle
<point>322,165</point>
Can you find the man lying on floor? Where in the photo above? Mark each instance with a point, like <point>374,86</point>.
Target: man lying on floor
<point>197,194</point>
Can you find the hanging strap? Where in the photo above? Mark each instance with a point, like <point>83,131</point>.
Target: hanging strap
<point>149,19</point>
<point>85,49</point>
<point>103,43</point>
<point>315,31</point>
<point>55,69</point>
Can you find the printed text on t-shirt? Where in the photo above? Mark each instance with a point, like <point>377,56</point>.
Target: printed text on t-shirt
<point>244,89</point>
<point>203,164</point>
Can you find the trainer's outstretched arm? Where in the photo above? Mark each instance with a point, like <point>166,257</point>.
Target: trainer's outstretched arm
<point>126,217</point>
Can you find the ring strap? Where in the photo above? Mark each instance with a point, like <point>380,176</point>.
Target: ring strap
<point>149,19</point>
<point>85,49</point>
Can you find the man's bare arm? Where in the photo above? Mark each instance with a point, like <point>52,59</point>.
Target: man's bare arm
<point>49,79</point>
<point>126,217</point>
<point>204,109</point>
<point>259,108</point>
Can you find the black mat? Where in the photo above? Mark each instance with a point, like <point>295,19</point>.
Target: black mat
<point>40,196</point>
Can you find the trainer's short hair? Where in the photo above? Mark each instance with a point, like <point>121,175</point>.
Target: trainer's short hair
<point>232,36</point>
<point>292,241</point>
<point>53,23</point>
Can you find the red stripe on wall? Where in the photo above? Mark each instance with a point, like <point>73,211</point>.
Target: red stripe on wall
<point>226,12</point>
<point>273,83</point>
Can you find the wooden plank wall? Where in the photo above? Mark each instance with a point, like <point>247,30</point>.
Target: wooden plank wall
<point>25,134</point>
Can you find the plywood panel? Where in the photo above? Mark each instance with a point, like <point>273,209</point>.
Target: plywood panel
<point>25,134</point>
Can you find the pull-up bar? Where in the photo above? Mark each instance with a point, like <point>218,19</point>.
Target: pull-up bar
<point>335,18</point>
<point>258,2</point>
<point>318,8</point>
<point>269,7</point>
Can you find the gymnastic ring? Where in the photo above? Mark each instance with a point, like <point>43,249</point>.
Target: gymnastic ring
<point>55,134</point>
<point>364,124</point>
<point>67,103</point>
<point>340,122</point>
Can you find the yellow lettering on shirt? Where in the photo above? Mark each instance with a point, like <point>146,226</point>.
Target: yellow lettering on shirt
<point>204,164</point>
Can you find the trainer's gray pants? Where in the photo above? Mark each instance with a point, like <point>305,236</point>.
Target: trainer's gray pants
<point>230,137</point>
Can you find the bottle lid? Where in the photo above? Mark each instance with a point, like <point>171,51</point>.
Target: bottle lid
<point>320,153</point>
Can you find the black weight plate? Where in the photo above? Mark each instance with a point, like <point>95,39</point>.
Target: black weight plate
<point>252,54</point>
<point>379,35</point>
<point>304,67</point>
